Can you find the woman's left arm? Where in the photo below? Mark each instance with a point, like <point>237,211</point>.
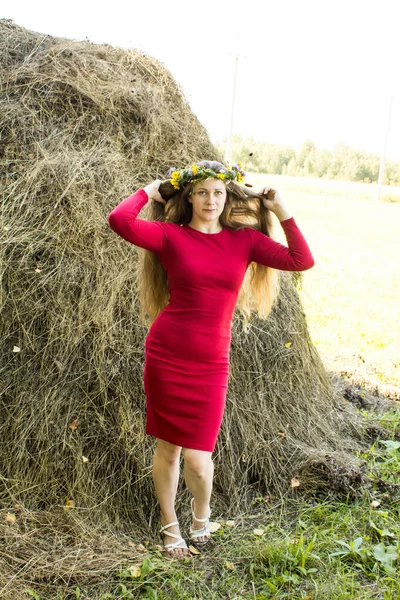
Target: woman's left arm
<point>265,251</point>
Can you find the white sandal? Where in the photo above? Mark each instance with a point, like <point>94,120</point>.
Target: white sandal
<point>198,533</point>
<point>174,545</point>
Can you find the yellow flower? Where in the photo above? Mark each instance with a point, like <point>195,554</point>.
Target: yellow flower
<point>240,178</point>
<point>174,183</point>
<point>221,175</point>
<point>195,168</point>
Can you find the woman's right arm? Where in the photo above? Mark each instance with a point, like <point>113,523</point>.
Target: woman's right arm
<point>149,235</point>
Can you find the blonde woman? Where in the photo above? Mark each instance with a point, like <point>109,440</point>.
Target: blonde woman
<point>205,233</point>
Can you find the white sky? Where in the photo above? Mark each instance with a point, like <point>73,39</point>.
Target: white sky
<point>319,69</point>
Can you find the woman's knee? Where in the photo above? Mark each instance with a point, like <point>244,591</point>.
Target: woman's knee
<point>170,453</point>
<point>198,462</point>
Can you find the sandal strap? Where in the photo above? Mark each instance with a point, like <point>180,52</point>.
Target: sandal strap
<point>164,527</point>
<point>196,533</point>
<point>174,545</point>
<point>179,539</point>
<point>194,516</point>
<point>201,520</point>
<point>174,535</point>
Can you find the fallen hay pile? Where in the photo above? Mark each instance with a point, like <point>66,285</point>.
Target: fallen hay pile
<point>59,550</point>
<point>82,127</point>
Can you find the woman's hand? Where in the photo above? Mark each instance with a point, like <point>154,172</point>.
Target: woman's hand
<point>272,200</point>
<point>153,193</point>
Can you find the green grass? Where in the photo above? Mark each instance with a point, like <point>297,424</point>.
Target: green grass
<point>351,296</point>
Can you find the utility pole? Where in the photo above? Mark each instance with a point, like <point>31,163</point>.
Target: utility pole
<point>383,157</point>
<point>228,151</point>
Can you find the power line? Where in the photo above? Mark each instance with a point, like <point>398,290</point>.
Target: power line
<point>228,151</point>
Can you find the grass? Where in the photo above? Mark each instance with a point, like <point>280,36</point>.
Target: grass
<point>314,549</point>
<point>351,296</point>
<point>331,188</point>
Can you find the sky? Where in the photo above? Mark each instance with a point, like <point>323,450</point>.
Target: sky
<point>316,69</point>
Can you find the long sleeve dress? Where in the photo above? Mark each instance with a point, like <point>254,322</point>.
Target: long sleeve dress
<point>187,348</point>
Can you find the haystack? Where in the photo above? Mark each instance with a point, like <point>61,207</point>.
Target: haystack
<point>83,126</point>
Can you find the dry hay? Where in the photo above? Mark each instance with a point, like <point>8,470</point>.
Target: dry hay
<point>83,126</point>
<point>59,550</point>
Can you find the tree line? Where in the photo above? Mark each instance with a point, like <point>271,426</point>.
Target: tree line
<point>343,162</point>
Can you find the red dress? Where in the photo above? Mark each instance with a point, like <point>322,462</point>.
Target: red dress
<point>187,348</point>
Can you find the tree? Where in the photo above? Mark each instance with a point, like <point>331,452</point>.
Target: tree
<point>343,162</point>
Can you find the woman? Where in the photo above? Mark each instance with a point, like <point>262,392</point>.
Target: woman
<point>211,231</point>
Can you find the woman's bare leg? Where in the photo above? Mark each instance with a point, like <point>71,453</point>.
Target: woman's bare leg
<point>199,472</point>
<point>166,477</point>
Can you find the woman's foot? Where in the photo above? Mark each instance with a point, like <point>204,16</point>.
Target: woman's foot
<point>200,529</point>
<point>174,544</point>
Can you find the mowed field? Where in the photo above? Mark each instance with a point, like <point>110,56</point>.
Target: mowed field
<point>352,294</point>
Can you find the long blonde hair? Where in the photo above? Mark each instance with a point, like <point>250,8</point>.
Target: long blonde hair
<point>243,208</point>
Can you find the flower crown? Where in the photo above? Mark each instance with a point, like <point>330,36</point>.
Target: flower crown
<point>180,179</point>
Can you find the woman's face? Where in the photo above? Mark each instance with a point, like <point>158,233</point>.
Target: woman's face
<point>208,199</point>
